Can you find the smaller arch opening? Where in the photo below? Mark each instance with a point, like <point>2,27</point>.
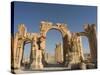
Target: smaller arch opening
<point>54,47</point>
<point>25,62</point>
<point>86,49</point>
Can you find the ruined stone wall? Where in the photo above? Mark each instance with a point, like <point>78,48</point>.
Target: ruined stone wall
<point>72,45</point>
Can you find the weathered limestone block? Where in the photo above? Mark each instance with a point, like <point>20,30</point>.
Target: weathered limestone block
<point>40,65</point>
<point>83,66</point>
<point>91,66</point>
<point>42,42</point>
<point>34,63</point>
<point>45,26</point>
<point>22,31</point>
<point>37,62</point>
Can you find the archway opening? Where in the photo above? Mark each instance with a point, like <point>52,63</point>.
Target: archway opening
<point>54,47</point>
<point>25,63</point>
<point>86,49</point>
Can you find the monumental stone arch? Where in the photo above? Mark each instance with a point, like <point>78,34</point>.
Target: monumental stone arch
<point>20,39</point>
<point>66,34</point>
<point>90,34</point>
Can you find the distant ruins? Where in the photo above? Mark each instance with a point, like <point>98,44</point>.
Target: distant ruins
<point>72,45</point>
<point>59,53</point>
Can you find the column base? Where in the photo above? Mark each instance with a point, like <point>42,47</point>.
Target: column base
<point>36,66</point>
<point>83,66</point>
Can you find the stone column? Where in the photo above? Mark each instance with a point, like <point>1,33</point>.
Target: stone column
<point>75,49</point>
<point>75,53</point>
<point>19,53</point>
<point>81,54</point>
<point>39,59</point>
<point>34,54</point>
<point>66,48</point>
<point>42,48</point>
<point>34,62</point>
<point>14,49</point>
<point>18,45</point>
<point>66,45</point>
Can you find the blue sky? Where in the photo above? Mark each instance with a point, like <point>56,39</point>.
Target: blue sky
<point>31,14</point>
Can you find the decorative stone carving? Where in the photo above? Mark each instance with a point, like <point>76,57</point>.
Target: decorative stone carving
<point>22,30</point>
